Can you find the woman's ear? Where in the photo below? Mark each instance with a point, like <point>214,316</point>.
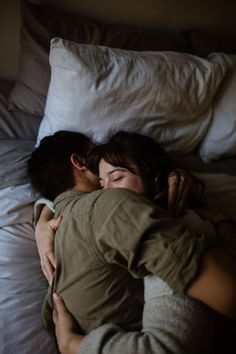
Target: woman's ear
<point>75,160</point>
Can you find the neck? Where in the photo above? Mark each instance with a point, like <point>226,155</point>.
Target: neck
<point>79,188</point>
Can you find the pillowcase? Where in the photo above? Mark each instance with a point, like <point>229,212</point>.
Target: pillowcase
<point>99,90</point>
<point>40,24</point>
<point>220,139</point>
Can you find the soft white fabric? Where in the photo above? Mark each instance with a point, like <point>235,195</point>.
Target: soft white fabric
<point>220,140</point>
<point>16,204</point>
<point>99,90</point>
<point>22,283</point>
<point>23,288</point>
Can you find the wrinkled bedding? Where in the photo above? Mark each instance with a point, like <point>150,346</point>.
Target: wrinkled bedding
<point>23,288</point>
<point>22,283</point>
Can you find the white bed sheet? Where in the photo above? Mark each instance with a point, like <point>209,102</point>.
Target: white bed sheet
<point>23,288</point>
<point>22,284</point>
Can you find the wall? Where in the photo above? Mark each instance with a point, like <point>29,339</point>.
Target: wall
<point>174,13</point>
<point>212,15</point>
<point>9,38</point>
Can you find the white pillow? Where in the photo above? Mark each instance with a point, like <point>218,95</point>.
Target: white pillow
<point>220,140</point>
<point>98,90</point>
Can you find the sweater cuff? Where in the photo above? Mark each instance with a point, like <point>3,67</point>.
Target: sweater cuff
<point>94,341</point>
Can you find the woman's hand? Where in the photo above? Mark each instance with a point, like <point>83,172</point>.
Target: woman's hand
<point>67,331</point>
<point>181,186</point>
<point>44,234</point>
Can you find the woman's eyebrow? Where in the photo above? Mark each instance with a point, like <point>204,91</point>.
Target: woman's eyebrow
<point>116,169</point>
<point>122,169</point>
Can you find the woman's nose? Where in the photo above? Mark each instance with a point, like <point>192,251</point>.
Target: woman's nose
<point>107,184</point>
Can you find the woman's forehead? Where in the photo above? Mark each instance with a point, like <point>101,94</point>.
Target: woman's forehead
<point>107,168</point>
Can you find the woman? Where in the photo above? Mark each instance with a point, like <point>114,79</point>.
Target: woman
<point>144,162</point>
<point>130,161</point>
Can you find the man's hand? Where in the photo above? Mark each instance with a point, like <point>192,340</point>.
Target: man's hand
<point>67,330</point>
<point>44,233</point>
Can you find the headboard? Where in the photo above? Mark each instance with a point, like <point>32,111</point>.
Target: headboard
<point>214,17</point>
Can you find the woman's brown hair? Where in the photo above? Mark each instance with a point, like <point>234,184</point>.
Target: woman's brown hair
<point>139,154</point>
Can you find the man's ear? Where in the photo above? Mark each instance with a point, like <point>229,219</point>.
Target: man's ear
<point>74,159</point>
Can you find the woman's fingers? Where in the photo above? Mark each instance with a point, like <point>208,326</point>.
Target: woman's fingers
<point>44,233</point>
<point>66,328</point>
<point>52,260</point>
<point>47,267</point>
<point>55,223</point>
<point>179,191</point>
<point>173,183</point>
<point>183,195</point>
<point>59,303</point>
<point>64,317</point>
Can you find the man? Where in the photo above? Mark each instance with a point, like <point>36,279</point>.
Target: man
<point>107,239</point>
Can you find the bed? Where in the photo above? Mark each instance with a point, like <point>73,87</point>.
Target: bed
<point>97,69</point>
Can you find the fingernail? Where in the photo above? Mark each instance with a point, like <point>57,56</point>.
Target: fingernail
<point>55,300</point>
<point>55,296</point>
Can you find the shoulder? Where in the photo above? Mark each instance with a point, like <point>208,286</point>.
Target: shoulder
<point>118,196</point>
<point>120,203</point>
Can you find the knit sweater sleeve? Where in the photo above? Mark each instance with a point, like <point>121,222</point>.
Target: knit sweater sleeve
<point>171,324</point>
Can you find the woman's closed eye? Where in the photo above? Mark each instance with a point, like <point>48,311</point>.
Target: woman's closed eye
<point>117,179</point>
<point>111,181</point>
<point>120,177</point>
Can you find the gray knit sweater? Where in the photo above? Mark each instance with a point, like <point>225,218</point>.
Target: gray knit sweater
<point>172,324</point>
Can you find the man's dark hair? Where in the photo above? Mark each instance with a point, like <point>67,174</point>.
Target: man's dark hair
<point>49,166</point>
